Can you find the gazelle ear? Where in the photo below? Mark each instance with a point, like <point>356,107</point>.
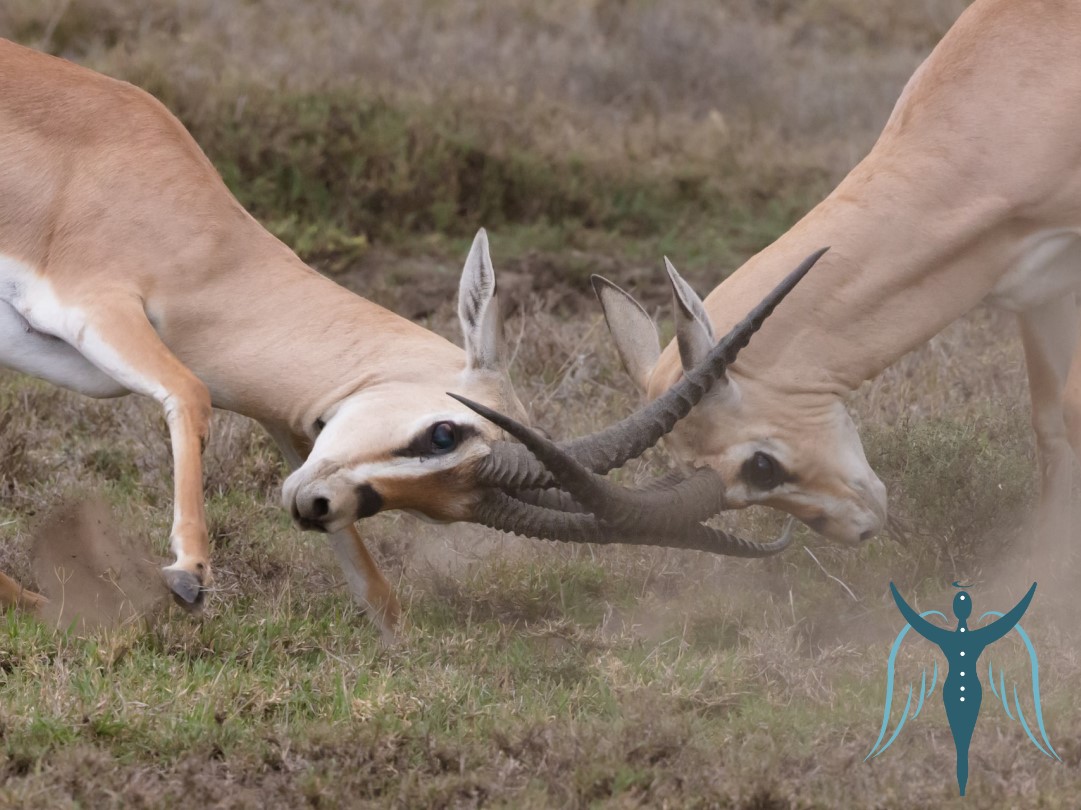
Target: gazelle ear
<point>634,332</point>
<point>694,332</point>
<point>478,310</point>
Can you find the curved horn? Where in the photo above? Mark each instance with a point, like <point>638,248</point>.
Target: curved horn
<point>678,505</point>
<point>510,466</point>
<point>498,510</point>
<point>563,501</point>
<point>556,499</point>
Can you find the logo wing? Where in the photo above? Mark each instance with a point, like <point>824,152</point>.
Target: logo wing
<point>1031,679</point>
<point>925,691</point>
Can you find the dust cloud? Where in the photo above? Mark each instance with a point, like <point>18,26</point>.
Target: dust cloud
<point>93,575</point>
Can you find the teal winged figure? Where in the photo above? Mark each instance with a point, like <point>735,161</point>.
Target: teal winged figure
<point>962,691</point>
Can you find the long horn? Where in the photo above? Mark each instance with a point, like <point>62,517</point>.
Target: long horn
<point>552,498</point>
<point>498,510</point>
<point>678,505</point>
<point>562,501</point>
<point>511,467</point>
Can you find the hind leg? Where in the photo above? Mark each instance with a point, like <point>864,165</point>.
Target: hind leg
<point>12,594</point>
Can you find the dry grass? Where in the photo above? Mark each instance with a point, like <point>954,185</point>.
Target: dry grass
<point>530,674</point>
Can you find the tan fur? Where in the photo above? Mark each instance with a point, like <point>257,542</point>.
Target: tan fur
<point>109,201</point>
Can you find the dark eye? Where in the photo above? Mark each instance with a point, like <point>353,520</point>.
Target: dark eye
<point>318,426</point>
<point>762,471</point>
<point>443,438</point>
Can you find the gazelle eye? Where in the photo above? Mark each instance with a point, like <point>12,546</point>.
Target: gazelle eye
<point>443,438</point>
<point>318,426</point>
<point>762,471</point>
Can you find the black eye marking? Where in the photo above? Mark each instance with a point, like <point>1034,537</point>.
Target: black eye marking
<point>437,440</point>
<point>762,471</point>
<point>318,426</point>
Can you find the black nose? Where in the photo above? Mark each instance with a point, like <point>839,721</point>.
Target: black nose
<point>368,501</point>
<point>309,513</point>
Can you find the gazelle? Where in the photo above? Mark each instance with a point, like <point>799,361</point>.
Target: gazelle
<point>126,266</point>
<point>972,193</point>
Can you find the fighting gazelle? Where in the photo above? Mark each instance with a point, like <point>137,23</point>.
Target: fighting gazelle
<point>972,193</point>
<point>126,266</point>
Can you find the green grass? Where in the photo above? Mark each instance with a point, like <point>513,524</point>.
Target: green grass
<point>529,674</point>
<point>504,707</point>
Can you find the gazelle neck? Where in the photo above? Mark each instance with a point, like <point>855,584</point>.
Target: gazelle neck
<point>299,342</point>
<point>906,259</point>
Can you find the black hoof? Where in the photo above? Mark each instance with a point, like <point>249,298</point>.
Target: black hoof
<point>186,587</point>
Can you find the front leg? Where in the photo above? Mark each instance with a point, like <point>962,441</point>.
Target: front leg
<point>188,415</point>
<point>366,582</point>
<point>1049,335</point>
<point>117,337</point>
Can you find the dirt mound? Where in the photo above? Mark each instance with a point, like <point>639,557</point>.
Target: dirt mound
<point>92,574</point>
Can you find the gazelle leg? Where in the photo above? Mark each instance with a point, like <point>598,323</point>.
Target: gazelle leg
<point>12,594</point>
<point>1050,335</point>
<point>119,339</point>
<point>1071,404</point>
<point>366,582</point>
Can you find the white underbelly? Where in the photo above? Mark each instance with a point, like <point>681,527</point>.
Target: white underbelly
<point>31,351</point>
<point>1049,267</point>
<point>50,358</point>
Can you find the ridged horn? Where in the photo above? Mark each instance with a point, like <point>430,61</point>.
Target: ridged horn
<point>498,510</point>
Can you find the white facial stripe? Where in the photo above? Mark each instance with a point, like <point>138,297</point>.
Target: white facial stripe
<point>364,434</point>
<point>410,430</point>
<point>408,468</point>
<point>466,419</point>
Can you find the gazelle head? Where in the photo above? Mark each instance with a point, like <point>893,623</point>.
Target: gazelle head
<point>768,442</point>
<point>399,442</point>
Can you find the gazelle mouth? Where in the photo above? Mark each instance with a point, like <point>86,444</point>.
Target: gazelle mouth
<point>309,525</point>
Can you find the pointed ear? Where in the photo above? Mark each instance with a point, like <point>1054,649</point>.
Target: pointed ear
<point>694,332</point>
<point>478,310</point>
<point>635,334</point>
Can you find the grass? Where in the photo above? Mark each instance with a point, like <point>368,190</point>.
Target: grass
<point>529,674</point>
<point>587,137</point>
